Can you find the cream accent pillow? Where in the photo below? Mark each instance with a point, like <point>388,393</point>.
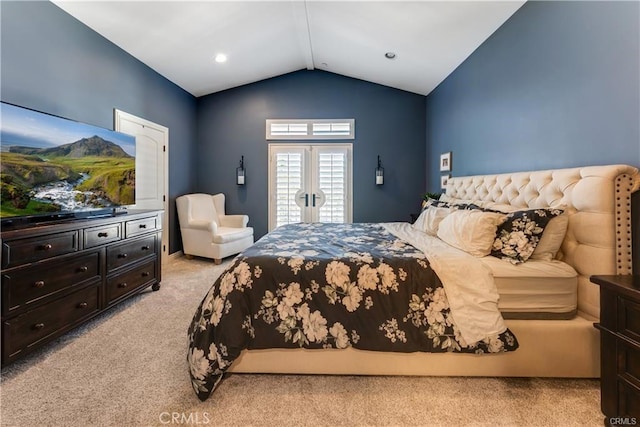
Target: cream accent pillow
<point>552,238</point>
<point>430,219</point>
<point>472,231</point>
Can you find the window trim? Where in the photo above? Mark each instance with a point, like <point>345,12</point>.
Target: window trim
<point>309,135</point>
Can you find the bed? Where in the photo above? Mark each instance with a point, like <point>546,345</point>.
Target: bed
<point>544,336</point>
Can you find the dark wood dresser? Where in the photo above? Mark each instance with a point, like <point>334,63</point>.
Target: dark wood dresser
<point>620,348</point>
<point>55,276</point>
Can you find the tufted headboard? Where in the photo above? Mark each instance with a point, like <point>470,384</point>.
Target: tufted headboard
<point>598,239</point>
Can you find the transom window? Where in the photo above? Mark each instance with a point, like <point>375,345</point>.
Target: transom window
<point>282,129</point>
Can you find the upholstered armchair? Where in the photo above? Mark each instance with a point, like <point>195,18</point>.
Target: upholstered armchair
<point>207,231</point>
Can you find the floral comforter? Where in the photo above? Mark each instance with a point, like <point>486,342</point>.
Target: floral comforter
<point>325,286</point>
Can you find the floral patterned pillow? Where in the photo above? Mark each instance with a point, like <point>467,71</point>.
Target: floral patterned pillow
<point>451,205</point>
<point>435,203</point>
<point>518,236</point>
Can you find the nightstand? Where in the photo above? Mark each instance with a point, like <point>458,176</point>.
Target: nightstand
<point>619,348</point>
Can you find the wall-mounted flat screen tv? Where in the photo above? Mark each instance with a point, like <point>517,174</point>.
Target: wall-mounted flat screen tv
<point>51,165</point>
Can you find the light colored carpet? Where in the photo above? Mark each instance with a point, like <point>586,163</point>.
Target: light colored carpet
<point>128,368</point>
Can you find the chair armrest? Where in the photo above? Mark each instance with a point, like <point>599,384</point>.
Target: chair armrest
<point>235,221</point>
<point>203,225</point>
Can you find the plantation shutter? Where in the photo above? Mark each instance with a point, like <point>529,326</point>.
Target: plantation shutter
<point>289,181</point>
<point>332,173</point>
<point>309,183</point>
<point>302,129</point>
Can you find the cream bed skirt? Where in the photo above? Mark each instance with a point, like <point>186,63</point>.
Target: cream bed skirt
<point>548,348</point>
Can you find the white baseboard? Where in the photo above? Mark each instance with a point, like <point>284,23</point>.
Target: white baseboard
<point>174,256</point>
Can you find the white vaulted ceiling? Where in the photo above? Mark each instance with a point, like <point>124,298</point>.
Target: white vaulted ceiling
<point>262,39</point>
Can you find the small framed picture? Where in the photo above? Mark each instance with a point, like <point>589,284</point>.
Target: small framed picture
<point>445,162</point>
<point>443,181</point>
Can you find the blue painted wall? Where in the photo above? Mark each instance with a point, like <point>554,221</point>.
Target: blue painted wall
<point>53,63</point>
<point>389,122</point>
<point>556,86</point>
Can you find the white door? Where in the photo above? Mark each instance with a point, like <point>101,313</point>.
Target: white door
<point>309,183</point>
<point>152,177</point>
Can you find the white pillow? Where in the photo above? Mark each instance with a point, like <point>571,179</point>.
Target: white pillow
<point>552,238</point>
<point>444,198</point>
<point>472,231</point>
<point>430,219</point>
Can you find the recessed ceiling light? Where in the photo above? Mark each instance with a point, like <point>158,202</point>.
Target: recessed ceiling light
<point>221,57</point>
<point>390,55</point>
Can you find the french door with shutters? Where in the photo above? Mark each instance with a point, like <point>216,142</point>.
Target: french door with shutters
<point>309,183</point>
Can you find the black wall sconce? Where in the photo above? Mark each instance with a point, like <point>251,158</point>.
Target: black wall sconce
<point>379,173</point>
<point>240,172</point>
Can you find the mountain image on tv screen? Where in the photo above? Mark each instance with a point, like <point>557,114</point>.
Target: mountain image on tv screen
<point>50,164</point>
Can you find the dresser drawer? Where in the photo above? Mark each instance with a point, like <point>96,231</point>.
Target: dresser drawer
<point>127,253</point>
<point>628,400</point>
<point>100,235</point>
<point>629,362</point>
<point>131,280</point>
<point>141,226</point>
<point>628,323</point>
<point>28,285</point>
<point>24,331</point>
<point>25,251</point>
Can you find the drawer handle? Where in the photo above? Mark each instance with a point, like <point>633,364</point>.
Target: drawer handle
<point>122,255</point>
<point>38,326</point>
<point>39,284</point>
<point>82,305</point>
<point>146,248</point>
<point>103,234</point>
<point>146,274</point>
<point>46,246</point>
<point>122,285</point>
<point>83,269</point>
<point>143,225</point>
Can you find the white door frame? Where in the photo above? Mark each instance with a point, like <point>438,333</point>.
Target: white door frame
<point>119,117</point>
